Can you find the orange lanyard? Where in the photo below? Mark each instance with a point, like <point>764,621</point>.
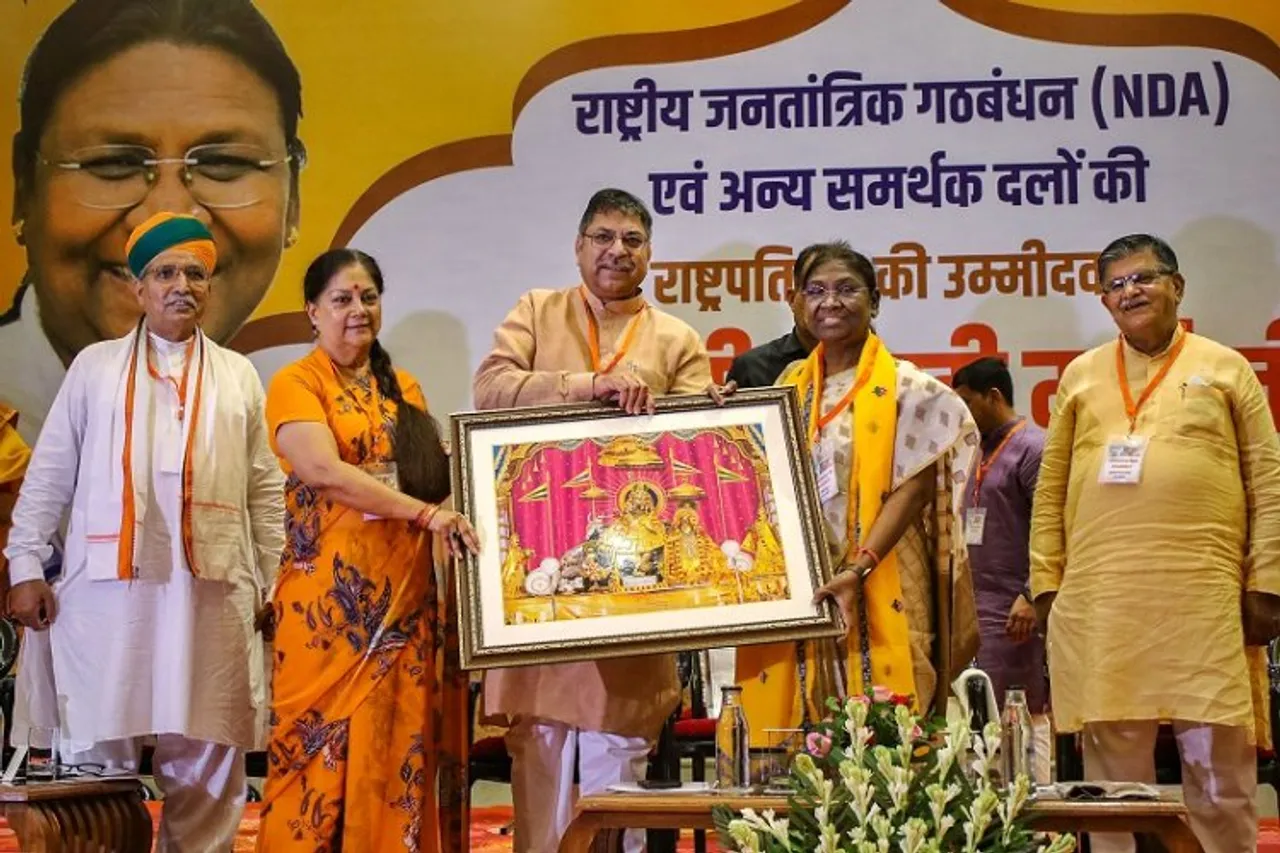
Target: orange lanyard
<point>593,338</point>
<point>1130,407</point>
<point>179,386</point>
<point>990,460</point>
<point>820,421</point>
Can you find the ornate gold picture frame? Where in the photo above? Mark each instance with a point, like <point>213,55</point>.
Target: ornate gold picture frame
<point>608,535</point>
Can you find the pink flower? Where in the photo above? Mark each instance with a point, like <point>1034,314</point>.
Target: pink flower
<point>862,699</point>
<point>817,744</point>
<point>881,694</point>
<point>916,733</point>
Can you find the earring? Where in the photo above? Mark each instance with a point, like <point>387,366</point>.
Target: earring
<point>292,237</point>
<point>18,228</point>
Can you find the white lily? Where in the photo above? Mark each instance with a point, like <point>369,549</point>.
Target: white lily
<point>898,780</point>
<point>1012,804</point>
<point>913,833</point>
<point>859,738</point>
<point>985,753</point>
<point>881,826</point>
<point>857,712</point>
<point>1061,844</point>
<point>991,734</point>
<point>958,736</point>
<point>804,765</point>
<point>937,802</point>
<point>777,827</point>
<point>883,758</point>
<point>980,813</point>
<point>907,724</point>
<point>857,781</point>
<point>744,837</point>
<point>828,839</point>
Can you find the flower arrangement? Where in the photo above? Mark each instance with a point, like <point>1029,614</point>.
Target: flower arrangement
<point>876,778</point>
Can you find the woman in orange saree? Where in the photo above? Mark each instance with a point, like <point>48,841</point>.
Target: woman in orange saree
<point>362,704</point>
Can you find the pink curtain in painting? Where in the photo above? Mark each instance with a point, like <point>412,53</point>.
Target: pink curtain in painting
<point>550,513</point>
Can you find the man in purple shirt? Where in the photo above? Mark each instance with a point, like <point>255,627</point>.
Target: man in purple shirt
<point>997,530</point>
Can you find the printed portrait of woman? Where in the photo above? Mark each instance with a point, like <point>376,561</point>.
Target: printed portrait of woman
<point>127,108</point>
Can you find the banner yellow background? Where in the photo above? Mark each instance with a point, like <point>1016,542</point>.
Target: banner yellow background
<point>384,82</point>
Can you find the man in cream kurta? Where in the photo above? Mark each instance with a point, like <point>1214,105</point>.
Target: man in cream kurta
<point>598,341</point>
<point>157,443</point>
<point>1155,550</point>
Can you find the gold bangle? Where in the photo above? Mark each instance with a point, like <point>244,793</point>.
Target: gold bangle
<point>423,520</point>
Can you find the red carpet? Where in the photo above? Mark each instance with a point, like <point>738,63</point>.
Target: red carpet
<point>1269,835</point>
<point>487,823</point>
<point>486,835</point>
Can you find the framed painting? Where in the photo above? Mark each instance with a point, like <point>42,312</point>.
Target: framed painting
<point>606,535</point>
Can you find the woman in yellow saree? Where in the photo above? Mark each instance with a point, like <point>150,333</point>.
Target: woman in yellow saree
<point>891,447</point>
<point>366,714</point>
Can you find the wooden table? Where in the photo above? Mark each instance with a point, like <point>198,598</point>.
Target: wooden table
<point>601,819</point>
<point>75,815</point>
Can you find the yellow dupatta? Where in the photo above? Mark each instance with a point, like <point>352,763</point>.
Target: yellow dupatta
<point>14,457</point>
<point>14,452</point>
<point>769,675</point>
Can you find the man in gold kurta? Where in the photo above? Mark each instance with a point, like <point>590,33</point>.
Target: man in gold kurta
<point>598,341</point>
<point>1155,550</point>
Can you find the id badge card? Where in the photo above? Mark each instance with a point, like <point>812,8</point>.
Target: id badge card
<point>1122,461</point>
<point>169,442</point>
<point>385,473</point>
<point>975,523</point>
<point>824,465</point>
<point>170,461</point>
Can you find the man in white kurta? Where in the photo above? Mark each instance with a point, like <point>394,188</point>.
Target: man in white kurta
<point>157,443</point>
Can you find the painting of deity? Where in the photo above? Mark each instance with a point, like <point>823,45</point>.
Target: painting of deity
<point>606,534</point>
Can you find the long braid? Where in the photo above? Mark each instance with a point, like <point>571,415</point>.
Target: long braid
<point>384,374</point>
<point>420,457</point>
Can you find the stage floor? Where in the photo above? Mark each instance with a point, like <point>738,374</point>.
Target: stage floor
<point>487,823</point>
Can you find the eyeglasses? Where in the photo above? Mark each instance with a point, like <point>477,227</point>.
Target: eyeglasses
<point>633,241</point>
<point>218,175</point>
<point>196,275</point>
<point>65,771</point>
<point>1142,278</point>
<point>844,292</point>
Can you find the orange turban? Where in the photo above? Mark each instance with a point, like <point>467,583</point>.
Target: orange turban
<point>165,231</point>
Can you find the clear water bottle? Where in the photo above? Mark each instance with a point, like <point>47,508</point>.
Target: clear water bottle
<point>733,749</point>
<point>1017,744</point>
